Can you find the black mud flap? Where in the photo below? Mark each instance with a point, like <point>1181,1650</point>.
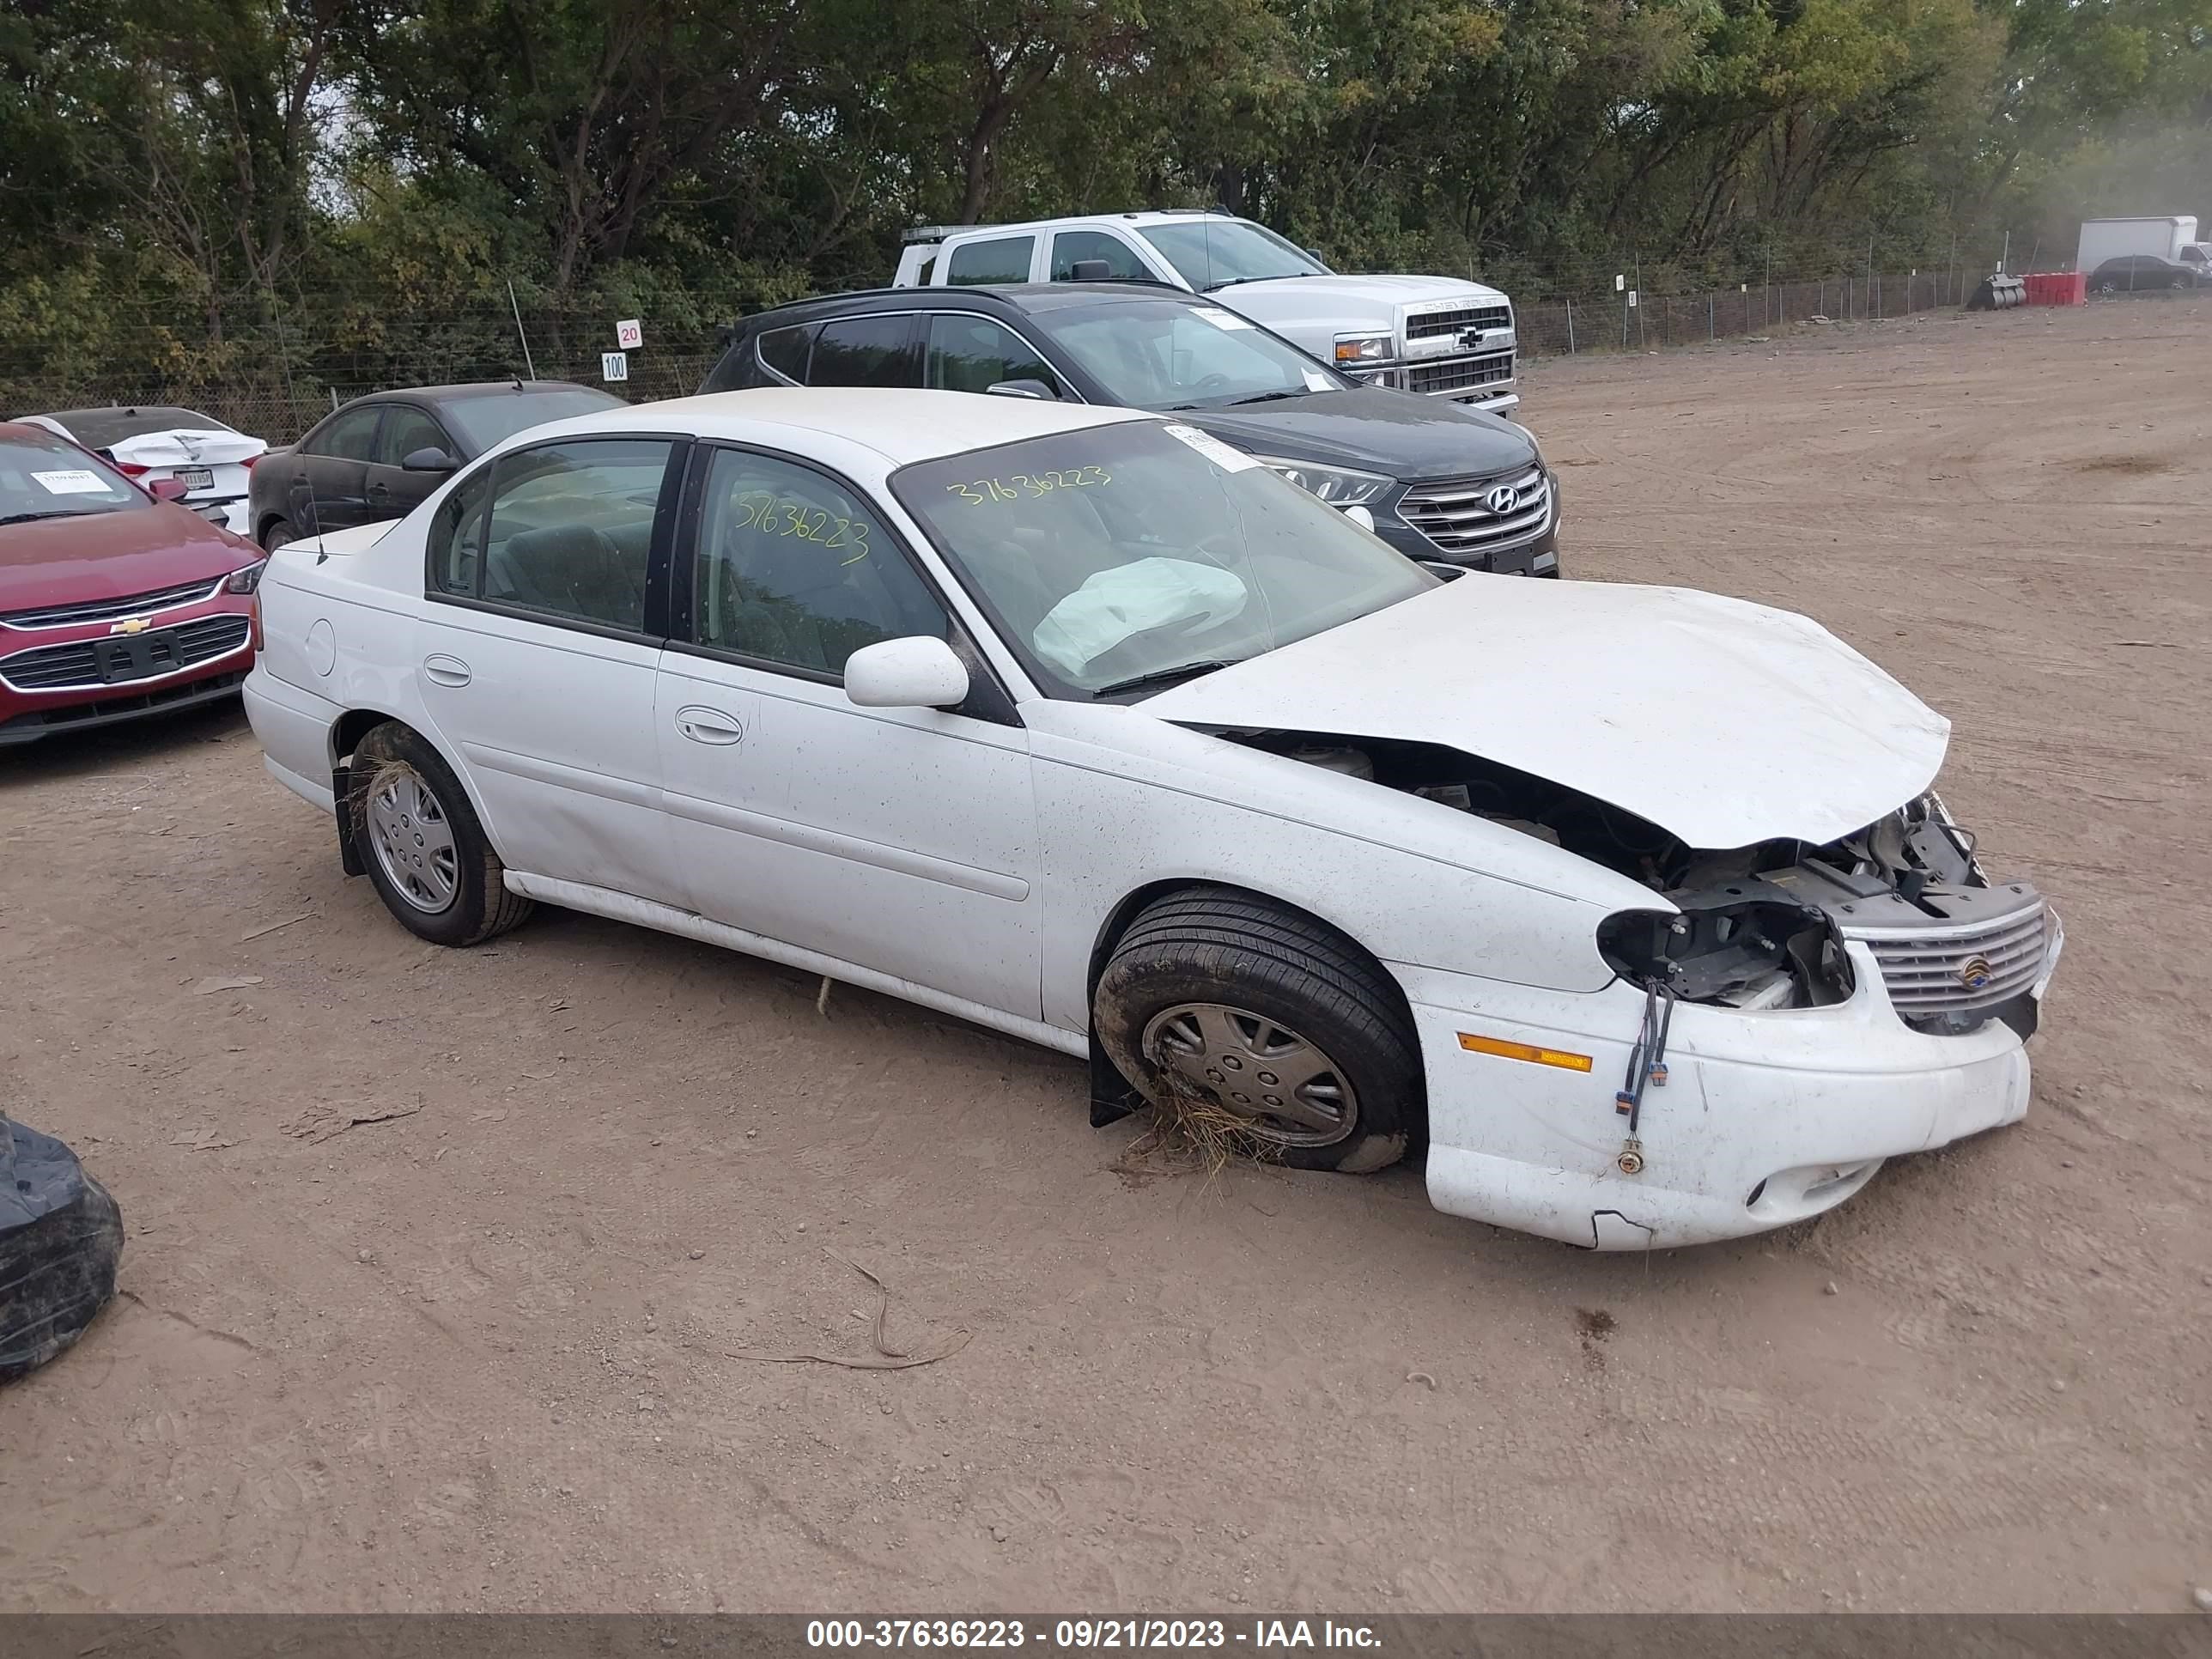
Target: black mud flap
<point>1112,1098</point>
<point>350,857</point>
<point>61,1239</point>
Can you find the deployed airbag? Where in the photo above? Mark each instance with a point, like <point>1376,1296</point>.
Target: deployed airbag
<point>1117,605</point>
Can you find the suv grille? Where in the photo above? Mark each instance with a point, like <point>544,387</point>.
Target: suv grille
<point>1928,973</point>
<point>1453,322</point>
<point>1458,517</point>
<point>1459,374</point>
<point>131,605</point>
<point>117,660</point>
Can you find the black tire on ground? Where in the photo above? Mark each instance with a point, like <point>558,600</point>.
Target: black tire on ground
<point>276,533</point>
<point>1218,947</point>
<point>61,1239</point>
<point>394,757</point>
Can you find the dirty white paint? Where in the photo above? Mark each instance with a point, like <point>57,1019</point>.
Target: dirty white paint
<point>970,865</point>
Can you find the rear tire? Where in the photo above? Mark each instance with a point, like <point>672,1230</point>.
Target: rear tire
<point>428,857</point>
<point>1270,1015</point>
<point>276,533</point>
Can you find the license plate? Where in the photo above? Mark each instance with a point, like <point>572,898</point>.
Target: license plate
<point>196,478</point>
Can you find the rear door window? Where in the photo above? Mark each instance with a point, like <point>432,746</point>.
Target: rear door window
<point>995,259</point>
<point>570,534</point>
<point>873,351</point>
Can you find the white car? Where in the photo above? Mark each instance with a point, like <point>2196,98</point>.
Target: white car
<point>1628,906</point>
<point>148,442</point>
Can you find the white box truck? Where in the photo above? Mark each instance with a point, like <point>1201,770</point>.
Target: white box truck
<point>2171,237</point>
<point>1430,334</point>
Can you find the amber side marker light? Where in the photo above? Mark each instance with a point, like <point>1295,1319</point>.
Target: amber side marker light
<point>1528,1051</point>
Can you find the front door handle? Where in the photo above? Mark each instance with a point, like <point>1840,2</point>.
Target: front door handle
<point>703,724</point>
<point>446,671</point>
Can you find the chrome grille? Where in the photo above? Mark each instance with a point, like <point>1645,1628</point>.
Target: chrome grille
<point>1927,972</point>
<point>1460,318</point>
<point>1446,375</point>
<point>1456,515</point>
<point>82,664</point>
<point>131,605</point>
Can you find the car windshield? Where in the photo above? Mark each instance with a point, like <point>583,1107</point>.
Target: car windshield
<point>492,417</point>
<point>1170,354</point>
<point>1213,252</point>
<point>103,428</point>
<point>1125,556</point>
<point>46,478</point>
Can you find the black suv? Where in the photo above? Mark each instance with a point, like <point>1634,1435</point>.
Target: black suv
<point>1438,482</point>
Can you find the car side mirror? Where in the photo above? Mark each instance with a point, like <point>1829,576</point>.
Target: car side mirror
<point>1022,389</point>
<point>916,673</point>
<point>430,459</point>
<point>168,489</point>
<point>1362,517</point>
<point>1090,270</point>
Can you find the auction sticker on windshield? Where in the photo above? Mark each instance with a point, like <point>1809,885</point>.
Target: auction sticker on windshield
<point>1220,318</point>
<point>75,481</point>
<point>1228,459</point>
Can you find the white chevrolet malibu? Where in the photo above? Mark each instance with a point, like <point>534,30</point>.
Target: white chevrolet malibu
<point>1628,907</point>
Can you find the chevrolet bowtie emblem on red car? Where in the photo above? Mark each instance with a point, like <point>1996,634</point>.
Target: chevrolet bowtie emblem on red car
<point>131,625</point>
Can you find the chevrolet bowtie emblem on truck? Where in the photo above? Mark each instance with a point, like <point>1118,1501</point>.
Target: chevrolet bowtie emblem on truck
<point>1975,973</point>
<point>131,625</point>
<point>1473,338</point>
<point>1502,500</point>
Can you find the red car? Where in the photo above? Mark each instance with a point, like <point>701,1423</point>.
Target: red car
<point>114,602</point>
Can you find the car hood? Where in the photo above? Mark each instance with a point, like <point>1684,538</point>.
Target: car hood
<point>1723,722</point>
<point>186,447</point>
<point>1393,290</point>
<point>111,555</point>
<point>1401,434</point>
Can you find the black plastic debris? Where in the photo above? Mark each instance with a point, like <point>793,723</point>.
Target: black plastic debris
<point>61,1239</point>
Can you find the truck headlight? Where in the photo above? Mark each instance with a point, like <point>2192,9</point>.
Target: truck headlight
<point>1362,349</point>
<point>1337,486</point>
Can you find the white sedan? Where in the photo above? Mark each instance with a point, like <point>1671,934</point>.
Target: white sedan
<point>1629,908</point>
<point>152,441</point>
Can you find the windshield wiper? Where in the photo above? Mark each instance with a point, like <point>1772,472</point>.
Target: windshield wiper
<point>45,512</point>
<point>1182,671</point>
<point>1263,398</point>
<point>1232,281</point>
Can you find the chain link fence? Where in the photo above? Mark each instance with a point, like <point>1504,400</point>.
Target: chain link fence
<point>278,385</point>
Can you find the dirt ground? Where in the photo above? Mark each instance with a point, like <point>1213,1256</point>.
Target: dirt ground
<point>480,1354</point>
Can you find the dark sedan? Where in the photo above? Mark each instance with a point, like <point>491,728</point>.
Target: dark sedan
<point>2135,272</point>
<point>381,456</point>
<point>1438,482</point>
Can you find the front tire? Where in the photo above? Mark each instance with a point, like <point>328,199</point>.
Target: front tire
<point>276,533</point>
<point>1269,1015</point>
<point>428,857</point>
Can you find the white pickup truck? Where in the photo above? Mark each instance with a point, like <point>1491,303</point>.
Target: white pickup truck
<point>1431,334</point>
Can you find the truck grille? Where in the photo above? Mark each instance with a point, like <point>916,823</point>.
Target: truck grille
<point>1931,973</point>
<point>1458,516</point>
<point>131,605</point>
<point>1449,375</point>
<point>1458,320</point>
<point>119,659</point>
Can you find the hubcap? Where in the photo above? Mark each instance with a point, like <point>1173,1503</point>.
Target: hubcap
<point>1287,1090</point>
<point>413,840</point>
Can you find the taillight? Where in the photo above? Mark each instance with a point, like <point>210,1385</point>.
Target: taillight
<point>130,469</point>
<point>254,611</point>
<point>248,462</point>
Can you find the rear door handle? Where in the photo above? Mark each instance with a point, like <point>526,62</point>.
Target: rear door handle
<point>703,724</point>
<point>446,671</point>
